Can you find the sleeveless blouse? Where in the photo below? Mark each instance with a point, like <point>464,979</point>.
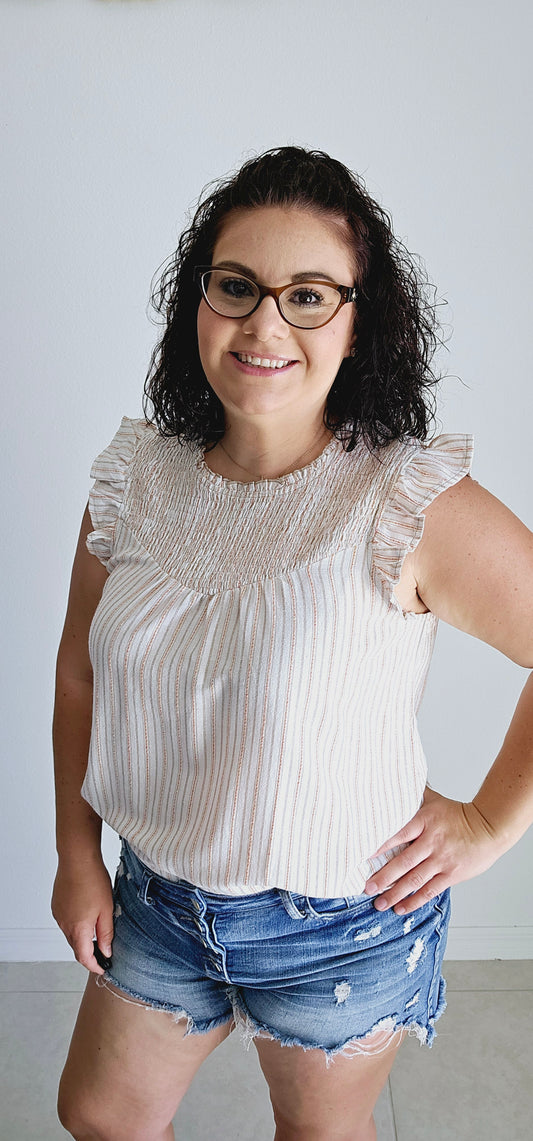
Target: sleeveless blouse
<point>256,681</point>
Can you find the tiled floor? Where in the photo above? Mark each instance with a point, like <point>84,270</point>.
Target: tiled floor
<point>476,1084</point>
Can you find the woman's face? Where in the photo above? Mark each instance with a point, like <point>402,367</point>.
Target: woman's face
<point>276,244</point>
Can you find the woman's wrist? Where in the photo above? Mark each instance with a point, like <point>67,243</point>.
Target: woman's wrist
<point>81,844</point>
<point>79,861</point>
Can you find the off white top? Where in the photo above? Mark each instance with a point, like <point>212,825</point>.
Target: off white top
<point>256,681</point>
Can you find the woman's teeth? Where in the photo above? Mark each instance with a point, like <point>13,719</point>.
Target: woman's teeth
<point>264,362</point>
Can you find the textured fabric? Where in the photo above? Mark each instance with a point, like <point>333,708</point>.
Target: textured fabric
<point>256,681</point>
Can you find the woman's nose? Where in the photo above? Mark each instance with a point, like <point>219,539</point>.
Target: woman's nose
<point>266,322</point>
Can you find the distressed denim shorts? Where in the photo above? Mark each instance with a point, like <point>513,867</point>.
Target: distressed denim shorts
<point>313,972</point>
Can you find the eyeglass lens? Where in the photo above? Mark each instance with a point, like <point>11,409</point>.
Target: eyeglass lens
<point>303,304</point>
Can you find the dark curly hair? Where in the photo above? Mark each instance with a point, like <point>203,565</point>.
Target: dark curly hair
<point>381,394</point>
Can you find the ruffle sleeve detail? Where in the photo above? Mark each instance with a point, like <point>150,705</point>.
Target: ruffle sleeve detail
<point>110,472</point>
<point>425,471</point>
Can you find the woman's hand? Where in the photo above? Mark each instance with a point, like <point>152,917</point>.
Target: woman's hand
<point>82,904</point>
<point>448,842</point>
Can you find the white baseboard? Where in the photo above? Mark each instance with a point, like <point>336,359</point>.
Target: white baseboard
<point>34,945</point>
<point>48,944</point>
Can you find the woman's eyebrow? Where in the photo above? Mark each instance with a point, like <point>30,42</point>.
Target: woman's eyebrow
<point>308,275</point>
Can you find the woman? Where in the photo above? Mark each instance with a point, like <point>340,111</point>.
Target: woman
<point>257,586</point>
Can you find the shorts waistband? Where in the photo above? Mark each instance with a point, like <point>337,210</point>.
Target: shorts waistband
<point>296,905</point>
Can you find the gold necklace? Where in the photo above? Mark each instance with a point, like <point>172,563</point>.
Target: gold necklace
<point>264,477</point>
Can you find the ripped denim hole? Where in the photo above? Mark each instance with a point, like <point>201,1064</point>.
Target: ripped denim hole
<point>414,955</point>
<point>341,992</point>
<point>412,1001</point>
<point>371,933</point>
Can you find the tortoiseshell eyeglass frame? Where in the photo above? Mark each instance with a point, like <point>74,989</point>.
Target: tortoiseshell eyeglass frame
<point>347,294</point>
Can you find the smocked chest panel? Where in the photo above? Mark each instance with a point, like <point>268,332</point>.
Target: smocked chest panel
<point>213,534</point>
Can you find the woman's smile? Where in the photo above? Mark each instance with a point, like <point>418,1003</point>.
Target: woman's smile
<point>255,365</point>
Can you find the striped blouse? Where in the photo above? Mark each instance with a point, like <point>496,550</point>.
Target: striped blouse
<point>256,681</point>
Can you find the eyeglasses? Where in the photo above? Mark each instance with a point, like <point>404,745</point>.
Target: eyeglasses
<point>305,304</point>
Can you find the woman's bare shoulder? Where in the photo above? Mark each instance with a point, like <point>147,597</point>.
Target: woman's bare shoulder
<point>473,568</point>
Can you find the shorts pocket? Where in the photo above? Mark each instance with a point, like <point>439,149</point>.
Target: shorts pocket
<point>323,908</point>
<point>167,905</point>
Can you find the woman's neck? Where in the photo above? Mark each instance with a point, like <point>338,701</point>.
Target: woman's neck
<point>255,456</point>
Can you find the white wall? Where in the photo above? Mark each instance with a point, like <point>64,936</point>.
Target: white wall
<point>117,112</point>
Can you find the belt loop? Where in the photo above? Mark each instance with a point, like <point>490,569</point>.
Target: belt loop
<point>289,904</point>
<point>142,893</point>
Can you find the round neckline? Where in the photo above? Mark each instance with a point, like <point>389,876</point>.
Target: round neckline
<point>292,478</point>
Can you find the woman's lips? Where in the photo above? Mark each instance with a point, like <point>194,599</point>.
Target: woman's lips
<point>261,369</point>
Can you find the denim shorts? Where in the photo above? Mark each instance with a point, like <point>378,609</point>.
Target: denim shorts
<point>312,972</point>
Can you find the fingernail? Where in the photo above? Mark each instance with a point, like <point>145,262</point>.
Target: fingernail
<point>381,904</point>
<point>371,888</point>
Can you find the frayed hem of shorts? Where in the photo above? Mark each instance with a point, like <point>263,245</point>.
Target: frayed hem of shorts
<point>385,1032</point>
<point>178,1014</point>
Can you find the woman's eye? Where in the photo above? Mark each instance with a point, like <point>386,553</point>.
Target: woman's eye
<point>236,287</point>
<point>306,298</point>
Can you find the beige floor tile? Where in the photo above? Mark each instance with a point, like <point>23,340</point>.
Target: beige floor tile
<point>490,974</point>
<point>42,977</point>
<point>476,1083</point>
<point>34,1035</point>
<point>230,1090</point>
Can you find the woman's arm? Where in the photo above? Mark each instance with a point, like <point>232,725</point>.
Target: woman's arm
<point>505,799</point>
<point>81,899</point>
<point>474,569</point>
